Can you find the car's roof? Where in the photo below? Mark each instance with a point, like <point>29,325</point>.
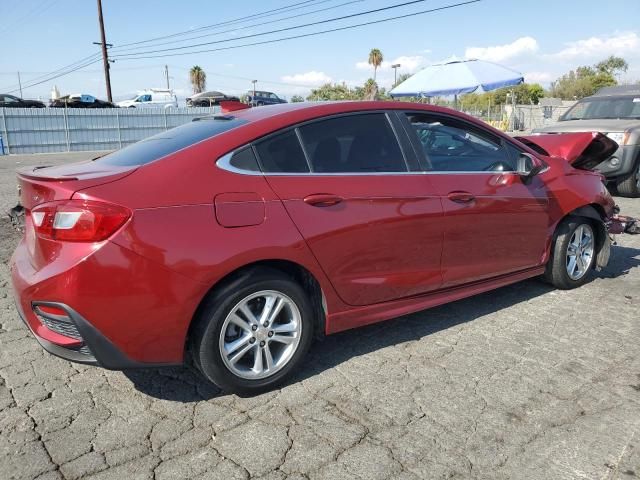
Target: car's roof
<point>618,90</point>
<point>270,118</point>
<point>309,110</point>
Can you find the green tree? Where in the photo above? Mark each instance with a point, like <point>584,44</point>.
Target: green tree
<point>198,79</point>
<point>612,65</point>
<point>375,59</point>
<point>587,80</point>
<point>402,78</point>
<point>330,91</point>
<point>297,99</point>
<point>535,92</point>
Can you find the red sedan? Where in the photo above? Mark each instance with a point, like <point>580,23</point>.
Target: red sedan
<point>233,241</point>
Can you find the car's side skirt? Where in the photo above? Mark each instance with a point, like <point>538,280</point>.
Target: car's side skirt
<point>366,315</point>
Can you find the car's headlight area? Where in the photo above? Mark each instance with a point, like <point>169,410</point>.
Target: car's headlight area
<point>619,137</point>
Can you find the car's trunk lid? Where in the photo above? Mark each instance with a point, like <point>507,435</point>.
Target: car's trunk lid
<point>45,184</point>
<point>583,150</point>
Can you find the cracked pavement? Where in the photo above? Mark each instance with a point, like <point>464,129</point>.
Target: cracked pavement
<point>522,382</point>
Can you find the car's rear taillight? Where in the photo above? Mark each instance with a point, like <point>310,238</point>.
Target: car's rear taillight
<point>78,220</point>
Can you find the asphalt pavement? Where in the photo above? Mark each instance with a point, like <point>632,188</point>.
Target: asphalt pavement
<point>525,382</point>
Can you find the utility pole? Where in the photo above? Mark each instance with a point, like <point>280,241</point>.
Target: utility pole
<point>105,55</point>
<point>166,75</point>
<point>20,84</point>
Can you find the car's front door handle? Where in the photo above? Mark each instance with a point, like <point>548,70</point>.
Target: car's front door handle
<point>322,200</point>
<point>461,197</point>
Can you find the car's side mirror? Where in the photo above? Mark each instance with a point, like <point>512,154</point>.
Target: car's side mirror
<point>528,167</point>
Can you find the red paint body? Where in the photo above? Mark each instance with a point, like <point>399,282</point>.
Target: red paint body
<point>393,244</point>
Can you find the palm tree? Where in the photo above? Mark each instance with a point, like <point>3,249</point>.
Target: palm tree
<point>370,89</point>
<point>198,79</point>
<point>375,59</point>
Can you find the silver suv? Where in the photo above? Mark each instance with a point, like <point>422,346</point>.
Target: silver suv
<point>614,111</point>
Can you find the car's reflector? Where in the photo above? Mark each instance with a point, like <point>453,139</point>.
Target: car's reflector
<point>78,220</point>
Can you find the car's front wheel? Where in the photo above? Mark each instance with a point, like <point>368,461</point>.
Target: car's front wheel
<point>573,254</point>
<point>629,185</point>
<point>253,332</point>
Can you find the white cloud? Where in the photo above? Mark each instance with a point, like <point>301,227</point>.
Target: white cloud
<point>538,77</point>
<point>408,64</point>
<point>602,46</point>
<point>311,78</point>
<point>500,53</point>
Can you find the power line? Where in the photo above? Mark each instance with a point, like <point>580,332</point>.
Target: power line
<point>79,67</point>
<point>65,70</point>
<point>304,35</point>
<point>66,67</point>
<point>280,30</point>
<point>39,9</point>
<point>253,25</point>
<point>265,13</point>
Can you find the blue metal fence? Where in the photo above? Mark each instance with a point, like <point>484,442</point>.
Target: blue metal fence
<point>47,130</point>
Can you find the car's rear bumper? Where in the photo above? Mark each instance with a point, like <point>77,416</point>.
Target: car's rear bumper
<point>94,348</point>
<point>123,310</point>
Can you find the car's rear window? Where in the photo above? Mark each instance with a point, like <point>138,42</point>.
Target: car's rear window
<point>171,141</point>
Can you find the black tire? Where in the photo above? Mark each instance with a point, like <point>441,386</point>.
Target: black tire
<point>629,185</point>
<point>556,272</point>
<point>205,335</point>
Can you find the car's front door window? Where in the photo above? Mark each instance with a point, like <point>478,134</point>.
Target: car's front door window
<point>451,146</point>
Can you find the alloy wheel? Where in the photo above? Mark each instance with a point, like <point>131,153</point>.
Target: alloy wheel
<point>580,252</point>
<point>260,334</point>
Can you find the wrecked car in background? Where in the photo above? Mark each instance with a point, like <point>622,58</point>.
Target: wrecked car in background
<point>616,112</point>
<point>80,100</point>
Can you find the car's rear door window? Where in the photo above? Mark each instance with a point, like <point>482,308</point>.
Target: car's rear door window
<point>363,143</point>
<point>282,153</point>
<point>245,160</point>
<point>450,145</point>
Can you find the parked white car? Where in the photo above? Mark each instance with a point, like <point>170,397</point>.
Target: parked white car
<point>152,98</point>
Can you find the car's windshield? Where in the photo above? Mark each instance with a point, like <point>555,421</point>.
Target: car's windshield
<point>604,107</point>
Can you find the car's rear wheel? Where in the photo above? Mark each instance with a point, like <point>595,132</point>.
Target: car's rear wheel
<point>253,332</point>
<point>573,254</point>
<point>629,185</point>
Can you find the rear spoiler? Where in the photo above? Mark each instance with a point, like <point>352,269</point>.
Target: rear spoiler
<point>232,106</point>
<point>584,150</point>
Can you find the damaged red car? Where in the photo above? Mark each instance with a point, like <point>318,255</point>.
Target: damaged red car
<point>231,242</point>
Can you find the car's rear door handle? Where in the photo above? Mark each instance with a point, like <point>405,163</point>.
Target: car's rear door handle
<point>322,200</point>
<point>461,197</point>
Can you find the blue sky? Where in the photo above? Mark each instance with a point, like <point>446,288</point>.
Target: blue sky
<point>542,39</point>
